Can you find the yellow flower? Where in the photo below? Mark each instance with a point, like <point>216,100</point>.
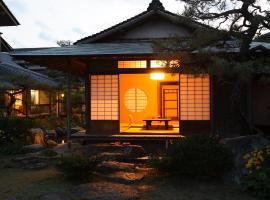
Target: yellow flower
<point>247,156</point>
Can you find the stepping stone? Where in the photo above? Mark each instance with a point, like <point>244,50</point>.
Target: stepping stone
<point>36,166</point>
<point>145,169</point>
<point>106,191</point>
<point>33,148</point>
<point>108,156</point>
<point>140,160</point>
<point>125,177</point>
<point>134,151</point>
<point>31,161</point>
<point>113,166</point>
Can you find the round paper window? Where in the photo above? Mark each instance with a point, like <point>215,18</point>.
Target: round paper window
<point>135,100</point>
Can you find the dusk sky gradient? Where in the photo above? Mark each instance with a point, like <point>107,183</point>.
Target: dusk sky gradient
<point>43,22</point>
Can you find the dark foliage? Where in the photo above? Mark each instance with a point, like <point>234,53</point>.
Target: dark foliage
<point>244,19</point>
<point>199,157</point>
<point>78,167</point>
<point>48,153</point>
<point>11,149</point>
<point>15,130</point>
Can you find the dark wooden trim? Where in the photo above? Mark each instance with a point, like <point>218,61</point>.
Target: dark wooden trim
<point>69,102</point>
<point>162,83</point>
<point>179,102</point>
<point>147,70</point>
<point>119,102</point>
<point>212,105</point>
<point>87,103</point>
<point>27,103</point>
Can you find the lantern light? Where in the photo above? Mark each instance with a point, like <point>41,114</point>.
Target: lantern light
<point>157,76</point>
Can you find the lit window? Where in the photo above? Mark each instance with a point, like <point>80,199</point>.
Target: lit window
<point>18,105</point>
<point>135,100</point>
<point>19,101</point>
<point>39,97</point>
<point>195,97</point>
<point>163,63</point>
<point>132,64</point>
<point>104,97</point>
<point>34,97</point>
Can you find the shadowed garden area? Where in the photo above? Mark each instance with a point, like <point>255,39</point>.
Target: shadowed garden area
<point>48,184</point>
<point>112,171</point>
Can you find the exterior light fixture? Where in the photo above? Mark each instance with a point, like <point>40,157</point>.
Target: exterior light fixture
<point>157,76</point>
<point>62,95</point>
<point>63,142</point>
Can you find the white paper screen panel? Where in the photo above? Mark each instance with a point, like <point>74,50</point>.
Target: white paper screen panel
<point>135,100</point>
<point>104,97</point>
<point>135,64</point>
<point>194,97</point>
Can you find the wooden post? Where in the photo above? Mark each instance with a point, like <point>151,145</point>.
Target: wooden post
<point>212,105</point>
<point>0,42</point>
<point>87,103</point>
<point>250,105</point>
<point>179,102</point>
<point>27,106</point>
<point>68,104</point>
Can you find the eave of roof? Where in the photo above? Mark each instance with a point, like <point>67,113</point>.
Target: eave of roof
<point>122,49</point>
<point>9,68</point>
<point>10,18</point>
<point>5,47</point>
<point>92,49</point>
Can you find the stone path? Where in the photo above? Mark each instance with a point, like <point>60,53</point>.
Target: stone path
<point>123,164</point>
<point>122,171</point>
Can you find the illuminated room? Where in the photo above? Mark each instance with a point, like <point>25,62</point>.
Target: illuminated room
<point>148,102</point>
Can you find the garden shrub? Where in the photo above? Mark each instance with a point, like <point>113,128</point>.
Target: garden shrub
<point>48,153</point>
<point>14,133</point>
<point>199,156</point>
<point>15,130</point>
<point>11,149</point>
<point>257,180</point>
<point>78,167</point>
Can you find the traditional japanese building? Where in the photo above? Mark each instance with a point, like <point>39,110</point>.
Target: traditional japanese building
<point>131,90</point>
<point>22,89</point>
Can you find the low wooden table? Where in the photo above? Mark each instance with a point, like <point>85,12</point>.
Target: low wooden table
<point>149,122</point>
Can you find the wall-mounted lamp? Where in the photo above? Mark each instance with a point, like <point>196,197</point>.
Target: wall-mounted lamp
<point>157,76</point>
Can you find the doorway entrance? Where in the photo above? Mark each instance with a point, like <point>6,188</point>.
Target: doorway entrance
<point>170,100</point>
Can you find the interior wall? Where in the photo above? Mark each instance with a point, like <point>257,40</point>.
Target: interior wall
<point>152,91</point>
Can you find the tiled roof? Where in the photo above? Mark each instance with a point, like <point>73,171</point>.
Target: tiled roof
<point>94,49</point>
<point>10,70</point>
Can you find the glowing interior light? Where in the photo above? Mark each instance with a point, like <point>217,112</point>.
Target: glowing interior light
<point>157,76</point>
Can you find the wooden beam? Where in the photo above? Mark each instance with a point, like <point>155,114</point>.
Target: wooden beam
<point>87,102</point>
<point>69,110</point>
